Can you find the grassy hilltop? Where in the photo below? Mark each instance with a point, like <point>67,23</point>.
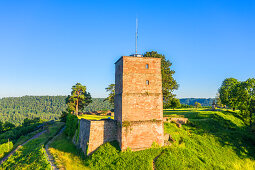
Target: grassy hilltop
<point>211,140</point>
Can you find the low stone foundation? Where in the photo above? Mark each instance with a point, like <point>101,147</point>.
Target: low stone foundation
<point>93,133</point>
<point>139,135</point>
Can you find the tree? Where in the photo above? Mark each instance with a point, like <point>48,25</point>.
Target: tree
<point>244,93</point>
<point>197,105</point>
<point>111,90</point>
<point>226,97</point>
<point>169,84</point>
<point>218,101</point>
<point>8,126</point>
<point>78,99</point>
<point>175,103</point>
<point>1,127</point>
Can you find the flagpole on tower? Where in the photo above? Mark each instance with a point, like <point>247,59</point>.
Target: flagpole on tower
<point>136,36</point>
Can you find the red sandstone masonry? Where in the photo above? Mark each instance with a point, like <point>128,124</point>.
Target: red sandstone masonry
<point>138,106</point>
<point>94,133</point>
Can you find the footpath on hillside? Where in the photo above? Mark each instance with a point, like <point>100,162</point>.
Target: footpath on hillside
<point>12,152</point>
<point>49,156</point>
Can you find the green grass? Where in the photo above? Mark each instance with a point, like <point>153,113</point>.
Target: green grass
<point>210,140</point>
<point>32,155</point>
<point>66,155</point>
<point>94,117</point>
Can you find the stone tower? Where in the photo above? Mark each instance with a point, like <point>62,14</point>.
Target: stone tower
<point>138,102</point>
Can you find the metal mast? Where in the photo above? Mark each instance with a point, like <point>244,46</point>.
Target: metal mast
<point>136,36</point>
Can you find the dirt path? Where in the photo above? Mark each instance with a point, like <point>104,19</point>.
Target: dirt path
<point>155,159</point>
<point>50,157</point>
<point>12,152</point>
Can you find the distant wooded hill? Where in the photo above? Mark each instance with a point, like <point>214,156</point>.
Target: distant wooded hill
<point>202,101</point>
<point>16,109</point>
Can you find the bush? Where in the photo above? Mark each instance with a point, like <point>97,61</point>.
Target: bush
<point>5,147</point>
<point>71,125</point>
<point>17,132</point>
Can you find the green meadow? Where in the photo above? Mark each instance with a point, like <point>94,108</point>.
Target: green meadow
<point>210,140</point>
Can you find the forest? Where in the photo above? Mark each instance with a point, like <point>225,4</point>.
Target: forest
<point>202,101</point>
<point>16,109</point>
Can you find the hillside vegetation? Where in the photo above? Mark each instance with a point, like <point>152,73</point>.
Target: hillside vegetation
<point>32,155</point>
<point>211,140</point>
<point>16,109</point>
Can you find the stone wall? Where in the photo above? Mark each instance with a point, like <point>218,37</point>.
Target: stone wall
<point>141,134</point>
<point>93,133</point>
<point>138,104</point>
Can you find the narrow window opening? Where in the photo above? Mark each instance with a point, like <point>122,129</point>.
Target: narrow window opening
<point>147,66</point>
<point>147,82</point>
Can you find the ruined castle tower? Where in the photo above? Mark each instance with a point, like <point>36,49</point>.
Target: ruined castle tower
<point>138,102</point>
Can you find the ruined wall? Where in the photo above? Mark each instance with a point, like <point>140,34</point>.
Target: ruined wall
<point>139,104</point>
<point>94,133</point>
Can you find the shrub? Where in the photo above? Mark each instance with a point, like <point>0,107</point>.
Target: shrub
<point>5,147</point>
<point>71,125</point>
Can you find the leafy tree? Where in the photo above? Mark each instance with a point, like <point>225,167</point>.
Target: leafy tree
<point>218,101</point>
<point>79,98</point>
<point>8,126</point>
<point>111,90</point>
<point>244,93</point>
<point>1,127</point>
<point>169,84</point>
<point>226,97</point>
<point>197,105</point>
<point>175,103</point>
<point>28,122</point>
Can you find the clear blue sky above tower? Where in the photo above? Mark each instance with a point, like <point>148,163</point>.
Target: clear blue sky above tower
<point>48,46</point>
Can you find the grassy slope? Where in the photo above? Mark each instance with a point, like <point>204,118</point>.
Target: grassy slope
<point>32,154</point>
<point>215,140</point>
<point>212,140</point>
<point>66,155</point>
<point>94,117</point>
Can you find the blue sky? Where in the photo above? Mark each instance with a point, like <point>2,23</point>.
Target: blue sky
<point>48,46</point>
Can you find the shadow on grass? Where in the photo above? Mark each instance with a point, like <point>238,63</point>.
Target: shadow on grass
<point>241,139</point>
<point>233,114</point>
<point>190,114</point>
